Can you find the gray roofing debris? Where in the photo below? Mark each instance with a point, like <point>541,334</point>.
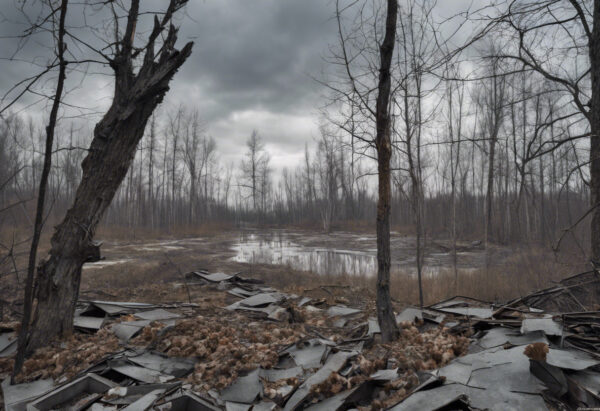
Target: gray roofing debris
<point>114,308</point>
<point>497,375</point>
<point>275,374</point>
<point>205,277</point>
<point>93,315</point>
<point>17,396</point>
<point>8,344</point>
<point>333,364</point>
<point>244,390</point>
<point>547,325</point>
<point>128,329</point>
<point>129,395</point>
<point>308,354</point>
<point>559,328</point>
<point>76,394</point>
<point>342,311</point>
<point>187,401</point>
<point>571,359</point>
<point>157,315</point>
<point>470,398</point>
<point>87,323</point>
<point>500,336</point>
<point>213,278</point>
<point>146,401</point>
<point>177,367</point>
<point>262,300</point>
<point>141,374</point>
<point>464,306</point>
<point>409,314</point>
<point>343,400</point>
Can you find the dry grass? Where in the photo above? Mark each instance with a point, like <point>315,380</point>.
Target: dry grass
<point>526,270</point>
<point>519,275</point>
<point>116,232</point>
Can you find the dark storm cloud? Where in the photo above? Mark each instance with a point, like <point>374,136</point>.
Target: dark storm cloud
<point>250,54</point>
<point>250,68</point>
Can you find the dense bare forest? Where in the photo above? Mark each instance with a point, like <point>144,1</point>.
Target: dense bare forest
<point>407,176</point>
<point>177,177</point>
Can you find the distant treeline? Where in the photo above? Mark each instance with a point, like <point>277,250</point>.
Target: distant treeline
<point>177,179</point>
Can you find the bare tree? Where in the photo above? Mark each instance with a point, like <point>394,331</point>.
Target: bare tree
<point>491,101</point>
<point>116,136</point>
<point>328,169</point>
<point>383,142</point>
<point>39,215</point>
<point>571,62</point>
<point>370,90</point>
<point>253,169</point>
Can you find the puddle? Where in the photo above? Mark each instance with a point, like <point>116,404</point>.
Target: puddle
<point>105,263</point>
<point>160,248</point>
<point>281,248</point>
<point>260,249</point>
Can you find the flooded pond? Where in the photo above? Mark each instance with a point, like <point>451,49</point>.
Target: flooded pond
<point>264,249</point>
<point>341,253</point>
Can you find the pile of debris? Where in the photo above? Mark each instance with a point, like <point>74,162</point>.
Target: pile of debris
<point>268,350</point>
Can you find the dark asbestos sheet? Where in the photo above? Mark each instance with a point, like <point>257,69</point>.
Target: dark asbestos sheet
<point>244,390</point>
<point>334,364</point>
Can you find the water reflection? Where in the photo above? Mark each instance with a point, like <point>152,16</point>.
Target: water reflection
<point>258,249</point>
<point>283,248</point>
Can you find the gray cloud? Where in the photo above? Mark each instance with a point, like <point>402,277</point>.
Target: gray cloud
<point>250,54</point>
<point>250,68</point>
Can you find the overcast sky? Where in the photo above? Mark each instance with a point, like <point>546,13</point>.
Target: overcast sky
<point>251,68</point>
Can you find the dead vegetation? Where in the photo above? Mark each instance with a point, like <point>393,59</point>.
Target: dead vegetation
<point>64,359</point>
<point>227,345</point>
<point>307,347</point>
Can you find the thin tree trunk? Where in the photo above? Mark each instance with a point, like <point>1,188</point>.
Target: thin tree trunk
<point>39,216</point>
<point>595,134</point>
<point>385,312</point>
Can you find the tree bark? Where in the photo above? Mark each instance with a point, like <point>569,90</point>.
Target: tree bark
<point>111,152</point>
<point>385,312</point>
<point>594,133</point>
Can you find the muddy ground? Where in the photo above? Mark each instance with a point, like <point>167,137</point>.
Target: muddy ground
<point>151,269</point>
<point>283,258</point>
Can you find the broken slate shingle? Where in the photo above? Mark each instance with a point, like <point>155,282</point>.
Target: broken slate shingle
<point>409,314</point>
<point>128,329</point>
<point>547,325</point>
<point>157,315</point>
<point>244,390</point>
<point>334,363</point>
<point>341,310</point>
<point>309,356</point>
<point>16,396</point>
<point>261,300</point>
<point>570,359</point>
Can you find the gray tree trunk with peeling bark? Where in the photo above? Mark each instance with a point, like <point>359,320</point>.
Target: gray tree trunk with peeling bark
<point>111,152</point>
<point>385,312</point>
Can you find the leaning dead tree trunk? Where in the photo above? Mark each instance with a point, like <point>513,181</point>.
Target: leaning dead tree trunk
<point>111,152</point>
<point>385,312</point>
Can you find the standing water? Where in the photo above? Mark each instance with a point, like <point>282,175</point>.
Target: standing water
<point>322,254</point>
